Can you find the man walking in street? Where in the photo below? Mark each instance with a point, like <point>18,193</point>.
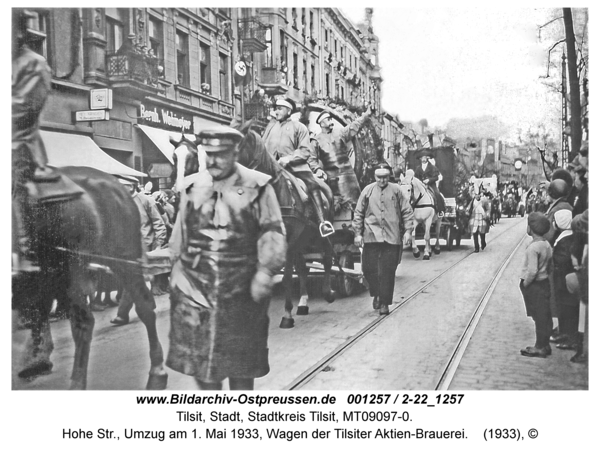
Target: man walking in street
<point>288,141</point>
<point>382,214</point>
<point>154,234</point>
<point>228,242</point>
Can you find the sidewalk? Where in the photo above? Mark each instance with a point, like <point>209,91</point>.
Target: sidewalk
<point>493,361</point>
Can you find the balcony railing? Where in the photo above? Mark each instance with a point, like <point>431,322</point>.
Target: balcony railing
<point>253,34</point>
<point>256,110</point>
<point>133,66</point>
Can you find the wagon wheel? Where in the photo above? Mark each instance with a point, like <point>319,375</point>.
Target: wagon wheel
<point>346,285</point>
<point>448,236</point>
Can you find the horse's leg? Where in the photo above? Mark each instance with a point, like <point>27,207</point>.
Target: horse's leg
<point>82,327</point>
<point>415,249</point>
<point>38,345</point>
<point>287,321</point>
<point>144,308</point>
<point>438,229</point>
<point>427,251</point>
<point>302,271</point>
<point>328,293</point>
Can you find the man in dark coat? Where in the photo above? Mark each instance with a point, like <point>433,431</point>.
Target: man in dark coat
<point>558,191</point>
<point>228,242</point>
<point>429,175</point>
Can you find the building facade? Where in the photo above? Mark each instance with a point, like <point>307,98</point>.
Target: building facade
<point>169,71</point>
<point>158,73</point>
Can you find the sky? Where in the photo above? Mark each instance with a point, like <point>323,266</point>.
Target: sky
<point>438,64</point>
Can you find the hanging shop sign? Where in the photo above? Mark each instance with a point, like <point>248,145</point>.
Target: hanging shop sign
<point>159,116</point>
<point>101,99</point>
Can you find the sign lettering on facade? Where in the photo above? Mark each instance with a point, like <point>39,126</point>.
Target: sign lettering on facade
<point>160,117</point>
<point>90,116</point>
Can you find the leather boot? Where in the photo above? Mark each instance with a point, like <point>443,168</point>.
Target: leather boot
<point>325,227</point>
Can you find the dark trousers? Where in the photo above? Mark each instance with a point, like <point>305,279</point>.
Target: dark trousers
<point>537,305</point>
<point>379,263</point>
<point>476,240</point>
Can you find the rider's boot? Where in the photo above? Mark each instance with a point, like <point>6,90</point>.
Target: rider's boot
<point>325,227</point>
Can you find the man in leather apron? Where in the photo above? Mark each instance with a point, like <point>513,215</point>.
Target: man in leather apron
<point>228,242</point>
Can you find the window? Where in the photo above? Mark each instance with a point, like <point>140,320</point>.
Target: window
<point>304,75</point>
<point>295,72</point>
<point>156,37</point>
<point>38,28</point>
<point>327,91</point>
<point>224,77</point>
<point>269,50</point>
<point>204,63</point>
<point>311,25</point>
<point>183,75</point>
<point>312,78</point>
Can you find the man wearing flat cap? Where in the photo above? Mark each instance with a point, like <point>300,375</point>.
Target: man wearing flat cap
<point>329,155</point>
<point>381,217</point>
<point>228,242</point>
<point>288,141</point>
<point>429,175</point>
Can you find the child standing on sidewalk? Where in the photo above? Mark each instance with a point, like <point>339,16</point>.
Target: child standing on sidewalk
<point>535,285</point>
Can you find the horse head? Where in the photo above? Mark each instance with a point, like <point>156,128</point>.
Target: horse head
<point>188,159</point>
<point>253,154</point>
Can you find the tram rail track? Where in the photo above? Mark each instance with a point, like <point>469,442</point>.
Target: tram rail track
<point>449,368</point>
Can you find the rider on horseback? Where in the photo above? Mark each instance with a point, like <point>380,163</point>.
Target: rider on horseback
<point>33,180</point>
<point>288,141</point>
<point>429,174</point>
<point>326,147</point>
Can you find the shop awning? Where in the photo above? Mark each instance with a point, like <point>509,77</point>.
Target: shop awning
<point>76,150</point>
<point>160,138</point>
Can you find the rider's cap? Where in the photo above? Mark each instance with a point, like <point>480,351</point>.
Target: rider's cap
<point>563,219</point>
<point>126,179</point>
<point>218,139</point>
<point>287,102</point>
<point>323,115</point>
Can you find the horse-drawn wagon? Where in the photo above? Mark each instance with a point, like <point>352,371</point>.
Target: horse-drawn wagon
<point>454,222</point>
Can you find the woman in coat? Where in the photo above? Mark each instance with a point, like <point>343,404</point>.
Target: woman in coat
<point>479,221</point>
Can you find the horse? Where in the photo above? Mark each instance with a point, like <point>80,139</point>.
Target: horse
<point>299,218</point>
<point>98,230</point>
<point>422,203</point>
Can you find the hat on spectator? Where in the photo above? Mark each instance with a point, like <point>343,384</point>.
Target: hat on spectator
<point>219,138</point>
<point>563,174</point>
<point>287,102</point>
<point>563,219</point>
<point>538,223</point>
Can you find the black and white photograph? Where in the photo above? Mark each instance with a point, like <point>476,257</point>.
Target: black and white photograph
<point>365,201</point>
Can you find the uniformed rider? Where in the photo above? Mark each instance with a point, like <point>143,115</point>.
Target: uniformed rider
<point>429,175</point>
<point>288,141</point>
<point>227,244</point>
<point>330,145</point>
